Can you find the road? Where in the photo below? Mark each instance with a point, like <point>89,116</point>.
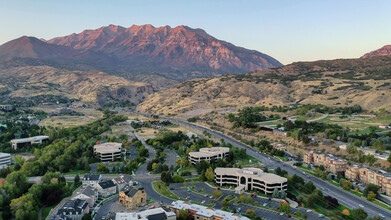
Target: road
<point>345,198</point>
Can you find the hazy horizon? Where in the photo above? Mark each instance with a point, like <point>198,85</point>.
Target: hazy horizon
<point>288,31</point>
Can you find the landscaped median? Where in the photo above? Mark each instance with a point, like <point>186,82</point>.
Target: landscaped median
<point>162,189</point>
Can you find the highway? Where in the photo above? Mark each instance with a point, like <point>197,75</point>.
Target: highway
<point>345,198</point>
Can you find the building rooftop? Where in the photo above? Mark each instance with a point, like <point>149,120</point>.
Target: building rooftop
<point>208,152</point>
<point>251,172</point>
<point>107,184</point>
<point>70,207</point>
<point>380,172</point>
<point>150,214</point>
<point>206,211</point>
<point>4,154</point>
<point>89,191</point>
<point>24,140</point>
<point>108,147</point>
<point>92,177</point>
<point>330,156</point>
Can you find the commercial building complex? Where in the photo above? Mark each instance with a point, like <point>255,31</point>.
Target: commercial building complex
<point>331,164</point>
<point>108,151</point>
<point>31,140</point>
<point>367,175</point>
<point>250,179</point>
<point>208,154</point>
<point>150,214</point>
<point>5,160</point>
<point>132,197</point>
<point>204,213</point>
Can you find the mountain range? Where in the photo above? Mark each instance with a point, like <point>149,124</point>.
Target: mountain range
<point>384,51</point>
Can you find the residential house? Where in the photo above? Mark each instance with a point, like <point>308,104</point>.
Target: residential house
<point>73,209</point>
<point>91,179</point>
<point>132,197</point>
<point>90,194</point>
<point>106,188</point>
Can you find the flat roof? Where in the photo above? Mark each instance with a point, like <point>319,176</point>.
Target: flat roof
<point>4,154</point>
<point>208,152</point>
<point>253,173</point>
<point>207,211</point>
<point>109,147</point>
<point>35,138</point>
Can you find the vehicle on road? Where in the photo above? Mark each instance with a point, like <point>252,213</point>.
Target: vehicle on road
<point>309,210</point>
<point>189,190</point>
<point>320,215</point>
<point>281,213</point>
<point>187,197</point>
<point>210,197</point>
<point>381,216</point>
<point>206,196</point>
<point>361,206</point>
<point>203,201</point>
<point>239,209</point>
<point>265,204</point>
<point>288,216</point>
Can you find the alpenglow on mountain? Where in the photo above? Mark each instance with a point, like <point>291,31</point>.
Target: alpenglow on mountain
<point>181,49</point>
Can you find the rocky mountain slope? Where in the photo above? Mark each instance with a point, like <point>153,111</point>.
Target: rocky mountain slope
<point>384,51</point>
<point>19,79</point>
<point>165,49</point>
<point>342,82</point>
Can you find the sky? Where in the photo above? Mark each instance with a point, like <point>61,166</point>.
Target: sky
<point>288,30</point>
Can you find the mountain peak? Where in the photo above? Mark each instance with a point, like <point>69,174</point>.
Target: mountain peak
<point>32,47</point>
<point>384,51</point>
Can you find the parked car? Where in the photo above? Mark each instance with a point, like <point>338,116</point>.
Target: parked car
<point>281,213</point>
<point>238,210</point>
<point>203,201</point>
<point>288,216</point>
<point>189,190</point>
<point>320,215</point>
<point>264,204</point>
<point>210,197</point>
<point>309,210</point>
<point>361,206</point>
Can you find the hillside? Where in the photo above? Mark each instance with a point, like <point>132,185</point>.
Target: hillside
<point>18,79</point>
<point>384,51</point>
<point>342,82</point>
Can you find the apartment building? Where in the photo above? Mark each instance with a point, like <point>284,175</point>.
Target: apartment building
<point>368,175</point>
<point>209,154</point>
<point>5,160</point>
<point>331,164</point>
<point>132,197</point>
<point>108,151</point>
<point>90,194</point>
<point>200,212</point>
<point>250,179</point>
<point>73,209</point>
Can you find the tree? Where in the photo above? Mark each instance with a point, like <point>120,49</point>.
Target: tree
<point>298,213</point>
<point>310,201</point>
<point>346,212</point>
<point>242,198</point>
<point>209,174</point>
<point>324,175</point>
<point>371,196</point>
<point>183,214</point>
<point>309,187</point>
<point>275,193</point>
<point>24,207</point>
<point>346,184</point>
<point>102,168</point>
<point>359,214</point>
<point>371,188</point>
<point>216,193</point>
<point>154,166</point>
<point>251,212</point>
<point>226,203</point>
<point>284,207</point>
<point>18,179</point>
<point>87,216</point>
<point>76,180</point>
<point>331,202</point>
<point>249,199</point>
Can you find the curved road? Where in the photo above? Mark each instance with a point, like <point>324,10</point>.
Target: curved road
<point>345,198</point>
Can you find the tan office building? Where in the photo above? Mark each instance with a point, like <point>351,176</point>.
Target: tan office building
<point>367,175</point>
<point>108,151</point>
<point>209,154</point>
<point>250,179</point>
<point>331,164</point>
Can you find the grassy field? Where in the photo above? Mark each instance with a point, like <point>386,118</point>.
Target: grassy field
<point>162,189</point>
<point>357,122</point>
<point>90,115</point>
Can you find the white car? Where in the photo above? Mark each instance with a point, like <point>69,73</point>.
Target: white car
<point>309,210</point>
<point>203,202</point>
<point>265,204</point>
<point>281,213</point>
<point>361,206</point>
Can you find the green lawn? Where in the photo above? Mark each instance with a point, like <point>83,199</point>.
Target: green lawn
<point>162,189</point>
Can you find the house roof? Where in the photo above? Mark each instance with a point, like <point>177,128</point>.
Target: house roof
<point>73,206</point>
<point>89,191</point>
<point>92,177</point>
<point>107,184</point>
<point>131,191</point>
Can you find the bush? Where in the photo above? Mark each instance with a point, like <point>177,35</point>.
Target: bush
<point>178,179</point>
